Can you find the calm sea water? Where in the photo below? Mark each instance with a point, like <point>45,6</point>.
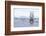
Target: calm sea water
<point>21,22</point>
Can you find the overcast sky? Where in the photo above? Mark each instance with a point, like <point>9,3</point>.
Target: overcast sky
<point>18,12</point>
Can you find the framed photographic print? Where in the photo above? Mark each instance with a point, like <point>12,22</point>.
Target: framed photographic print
<point>24,17</point>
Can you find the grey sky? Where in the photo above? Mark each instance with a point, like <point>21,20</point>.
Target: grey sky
<point>18,12</point>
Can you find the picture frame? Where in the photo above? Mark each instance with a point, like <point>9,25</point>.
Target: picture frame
<point>9,5</point>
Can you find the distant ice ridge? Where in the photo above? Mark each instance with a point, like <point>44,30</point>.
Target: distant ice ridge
<point>22,17</point>
<point>25,18</point>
